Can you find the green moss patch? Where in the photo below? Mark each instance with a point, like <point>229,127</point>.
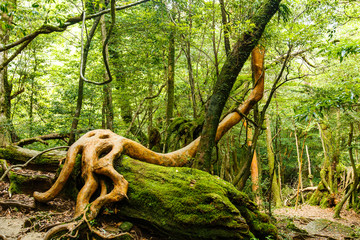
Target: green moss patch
<point>189,203</point>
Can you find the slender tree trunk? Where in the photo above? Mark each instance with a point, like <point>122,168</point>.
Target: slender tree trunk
<point>170,83</point>
<point>108,106</point>
<point>81,84</point>
<point>254,168</point>
<point>229,72</point>
<point>325,137</point>
<point>355,184</point>
<point>310,176</point>
<point>275,189</point>
<point>299,158</point>
<point>215,49</point>
<point>225,26</point>
<point>171,77</point>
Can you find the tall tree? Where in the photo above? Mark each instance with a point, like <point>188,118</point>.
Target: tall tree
<point>80,94</point>
<point>5,87</point>
<point>107,92</point>
<point>275,188</point>
<point>229,72</point>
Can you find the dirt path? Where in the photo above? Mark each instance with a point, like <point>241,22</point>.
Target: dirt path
<point>313,222</point>
<point>11,229</point>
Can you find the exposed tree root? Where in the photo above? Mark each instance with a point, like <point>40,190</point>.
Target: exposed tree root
<point>73,228</point>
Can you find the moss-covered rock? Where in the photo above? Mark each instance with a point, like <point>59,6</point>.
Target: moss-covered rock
<point>191,204</point>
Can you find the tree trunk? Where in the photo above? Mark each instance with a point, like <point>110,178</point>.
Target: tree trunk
<point>258,77</point>
<point>355,184</point>
<point>229,72</point>
<point>190,204</point>
<point>310,176</point>
<point>275,189</point>
<point>108,106</point>
<point>5,87</point>
<point>81,84</point>
<point>254,168</point>
<point>327,172</point>
<point>170,82</point>
<point>225,26</point>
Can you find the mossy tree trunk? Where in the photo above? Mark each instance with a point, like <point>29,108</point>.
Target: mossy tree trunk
<point>326,193</point>
<point>190,204</point>
<point>228,75</point>
<point>355,183</point>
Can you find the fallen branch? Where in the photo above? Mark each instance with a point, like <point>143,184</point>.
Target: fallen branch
<point>42,139</point>
<point>18,204</point>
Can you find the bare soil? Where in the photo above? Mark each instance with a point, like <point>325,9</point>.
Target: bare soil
<point>313,222</point>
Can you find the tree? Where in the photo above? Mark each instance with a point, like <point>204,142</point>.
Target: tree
<point>229,72</point>
<point>5,86</point>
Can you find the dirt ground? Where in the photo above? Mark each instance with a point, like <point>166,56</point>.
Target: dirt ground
<point>313,222</point>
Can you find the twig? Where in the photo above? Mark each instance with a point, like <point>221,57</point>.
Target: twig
<point>25,164</point>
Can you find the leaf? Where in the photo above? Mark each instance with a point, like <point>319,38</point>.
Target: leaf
<point>35,5</point>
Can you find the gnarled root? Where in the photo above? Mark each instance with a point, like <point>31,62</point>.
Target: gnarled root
<point>99,148</point>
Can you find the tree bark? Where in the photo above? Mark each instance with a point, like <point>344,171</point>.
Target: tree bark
<point>229,72</point>
<point>254,168</point>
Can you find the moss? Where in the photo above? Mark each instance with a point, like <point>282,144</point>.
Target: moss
<point>16,182</point>
<point>293,227</point>
<point>2,161</point>
<point>324,203</point>
<point>126,226</point>
<point>188,203</point>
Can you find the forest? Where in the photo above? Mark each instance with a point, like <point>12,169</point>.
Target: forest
<point>179,119</point>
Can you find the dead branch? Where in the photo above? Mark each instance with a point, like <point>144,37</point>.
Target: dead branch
<point>42,139</point>
<point>15,203</point>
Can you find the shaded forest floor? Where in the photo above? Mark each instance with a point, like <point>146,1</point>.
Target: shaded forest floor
<point>27,221</point>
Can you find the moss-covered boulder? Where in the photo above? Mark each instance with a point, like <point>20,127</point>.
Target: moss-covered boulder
<point>186,203</point>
